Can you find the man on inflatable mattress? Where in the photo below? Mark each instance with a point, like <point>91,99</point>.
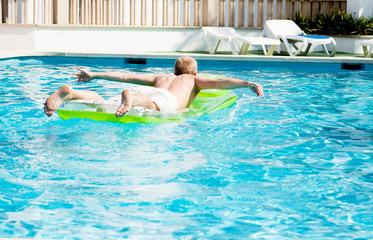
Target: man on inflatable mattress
<point>162,92</point>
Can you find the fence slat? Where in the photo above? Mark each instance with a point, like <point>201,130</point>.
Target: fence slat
<point>164,13</point>
<point>225,13</point>
<point>232,13</point>
<point>176,13</point>
<point>260,13</point>
<point>196,13</point>
<point>1,11</point>
<point>87,12</point>
<point>77,10</point>
<point>265,11</point>
<point>221,13</point>
<point>36,12</point>
<point>186,17</point>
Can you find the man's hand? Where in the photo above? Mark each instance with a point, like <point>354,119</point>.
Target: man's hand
<point>257,88</point>
<point>83,76</point>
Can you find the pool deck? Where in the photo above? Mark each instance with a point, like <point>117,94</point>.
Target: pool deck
<point>251,56</point>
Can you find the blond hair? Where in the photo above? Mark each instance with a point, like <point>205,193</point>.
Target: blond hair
<point>185,65</point>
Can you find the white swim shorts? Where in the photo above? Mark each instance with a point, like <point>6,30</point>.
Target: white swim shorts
<point>163,98</point>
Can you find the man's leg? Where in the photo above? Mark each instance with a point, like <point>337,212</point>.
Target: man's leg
<point>67,93</point>
<point>130,100</point>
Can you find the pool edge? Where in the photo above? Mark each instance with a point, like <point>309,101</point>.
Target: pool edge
<point>198,56</point>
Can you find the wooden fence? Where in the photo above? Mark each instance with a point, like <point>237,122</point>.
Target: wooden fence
<point>170,13</point>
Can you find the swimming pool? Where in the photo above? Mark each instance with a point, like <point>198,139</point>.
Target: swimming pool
<point>295,164</point>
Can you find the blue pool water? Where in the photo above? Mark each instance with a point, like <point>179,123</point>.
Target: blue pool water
<point>296,164</point>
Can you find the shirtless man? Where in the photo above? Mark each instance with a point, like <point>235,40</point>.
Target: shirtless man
<point>168,93</point>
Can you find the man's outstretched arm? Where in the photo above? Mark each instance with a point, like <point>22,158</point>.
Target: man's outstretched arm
<point>142,79</point>
<point>227,83</point>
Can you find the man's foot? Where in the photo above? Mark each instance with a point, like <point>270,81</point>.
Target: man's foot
<point>56,99</point>
<point>126,103</point>
<point>123,109</point>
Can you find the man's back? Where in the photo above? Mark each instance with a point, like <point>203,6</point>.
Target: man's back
<point>182,87</point>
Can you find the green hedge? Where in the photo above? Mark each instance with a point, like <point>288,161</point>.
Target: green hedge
<point>336,23</point>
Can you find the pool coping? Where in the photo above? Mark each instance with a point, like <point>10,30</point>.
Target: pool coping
<point>198,56</point>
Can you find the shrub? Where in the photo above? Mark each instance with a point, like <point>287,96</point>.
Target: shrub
<point>336,23</point>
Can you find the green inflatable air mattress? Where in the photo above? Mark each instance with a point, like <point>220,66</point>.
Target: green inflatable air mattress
<point>207,101</point>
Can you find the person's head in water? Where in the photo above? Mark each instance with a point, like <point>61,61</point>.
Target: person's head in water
<point>185,65</point>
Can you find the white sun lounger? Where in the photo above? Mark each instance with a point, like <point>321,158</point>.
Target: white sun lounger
<point>218,34</point>
<point>293,37</point>
<point>367,47</point>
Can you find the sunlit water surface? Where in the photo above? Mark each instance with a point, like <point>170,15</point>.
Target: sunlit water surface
<point>295,164</point>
